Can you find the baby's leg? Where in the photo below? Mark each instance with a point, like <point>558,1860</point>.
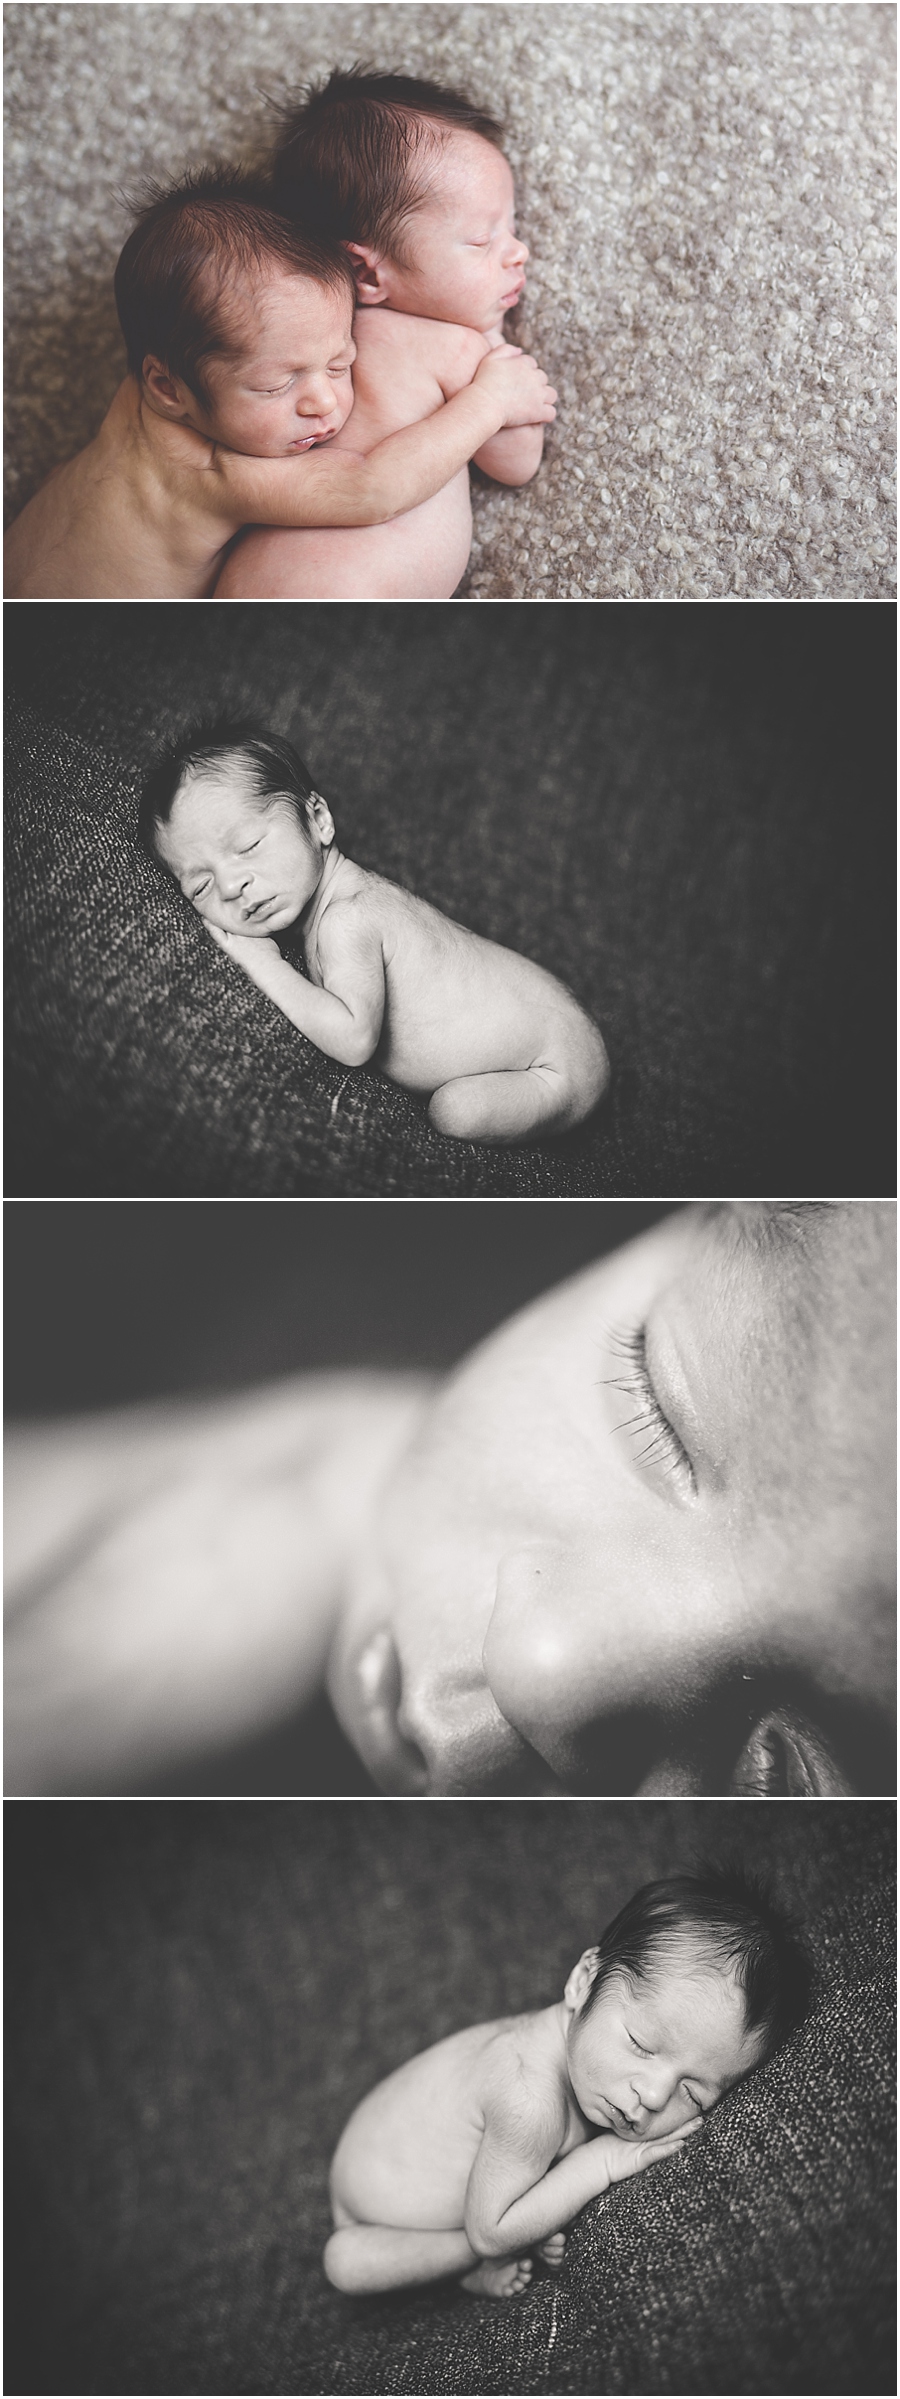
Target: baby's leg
<point>384,2257</point>
<point>502,1107</point>
<point>549,1097</point>
<point>355,562</point>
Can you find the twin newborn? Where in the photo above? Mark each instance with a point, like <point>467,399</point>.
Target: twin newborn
<point>475,2156</point>
<point>503,1050</point>
<point>321,350</point>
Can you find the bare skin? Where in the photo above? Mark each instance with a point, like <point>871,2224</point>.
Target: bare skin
<point>461,255</point>
<point>149,509</point>
<point>512,1539</point>
<point>172,1572</point>
<point>476,2155</point>
<point>503,1048</point>
<point>405,368</point>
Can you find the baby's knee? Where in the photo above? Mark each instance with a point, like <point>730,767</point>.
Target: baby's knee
<point>339,2261</point>
<point>595,1070</point>
<point>585,1074</point>
<point>450,1110</point>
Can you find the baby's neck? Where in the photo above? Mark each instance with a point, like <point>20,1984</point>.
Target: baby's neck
<point>333,861</point>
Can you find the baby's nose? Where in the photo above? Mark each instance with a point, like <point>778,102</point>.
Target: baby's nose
<point>652,2089</point>
<point>317,399</point>
<point>233,884</point>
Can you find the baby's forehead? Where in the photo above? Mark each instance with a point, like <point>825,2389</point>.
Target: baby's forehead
<point>211,795</point>
<point>464,170</point>
<point>276,301</point>
<point>691,1999</point>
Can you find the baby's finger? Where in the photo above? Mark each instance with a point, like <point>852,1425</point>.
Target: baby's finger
<point>676,2140</point>
<point>217,933</point>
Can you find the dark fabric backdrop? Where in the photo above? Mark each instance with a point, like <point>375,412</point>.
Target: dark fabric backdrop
<point>200,1994</point>
<point>687,813</point>
<point>108,1305</point>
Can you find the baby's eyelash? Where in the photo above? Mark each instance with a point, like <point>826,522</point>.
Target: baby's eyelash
<point>662,1447</point>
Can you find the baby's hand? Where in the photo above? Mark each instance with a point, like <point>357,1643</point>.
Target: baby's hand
<point>521,385</point>
<point>253,951</point>
<point>630,2157</point>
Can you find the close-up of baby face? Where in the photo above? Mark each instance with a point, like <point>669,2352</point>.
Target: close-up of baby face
<point>245,863</point>
<point>463,260</point>
<point>291,388</point>
<point>645,1538</point>
<point>656,2051</point>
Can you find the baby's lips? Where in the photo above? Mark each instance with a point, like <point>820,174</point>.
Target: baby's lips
<point>370,1692</point>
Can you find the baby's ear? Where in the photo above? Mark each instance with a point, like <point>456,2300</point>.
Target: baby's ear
<point>320,813</point>
<point>581,1978</point>
<point>165,390</point>
<point>367,270</point>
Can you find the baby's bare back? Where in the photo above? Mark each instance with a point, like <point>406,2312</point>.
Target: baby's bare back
<point>456,1003</point>
<point>120,520</point>
<point>407,2153</point>
<point>421,555</point>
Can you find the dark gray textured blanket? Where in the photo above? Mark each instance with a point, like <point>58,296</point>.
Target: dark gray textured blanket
<point>201,1993</point>
<point>686,814</point>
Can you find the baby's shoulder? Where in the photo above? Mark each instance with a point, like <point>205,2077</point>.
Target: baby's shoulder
<point>519,2079</point>
<point>352,914</point>
<point>447,350</point>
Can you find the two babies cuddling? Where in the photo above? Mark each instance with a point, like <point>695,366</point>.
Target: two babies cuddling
<point>321,352</point>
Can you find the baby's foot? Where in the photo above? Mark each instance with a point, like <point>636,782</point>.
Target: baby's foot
<point>498,2277</point>
<point>552,2250</point>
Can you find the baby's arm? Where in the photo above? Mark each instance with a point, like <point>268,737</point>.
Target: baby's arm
<point>513,2200</point>
<point>514,454</point>
<point>340,487</point>
<point>345,1019</point>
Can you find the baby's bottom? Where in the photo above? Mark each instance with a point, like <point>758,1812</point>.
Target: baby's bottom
<point>418,556</point>
<point>517,1105</point>
<point>387,2257</point>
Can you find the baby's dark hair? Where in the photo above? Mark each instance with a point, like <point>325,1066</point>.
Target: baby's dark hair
<point>730,1916</point>
<point>352,159</point>
<point>278,772</point>
<point>184,270</point>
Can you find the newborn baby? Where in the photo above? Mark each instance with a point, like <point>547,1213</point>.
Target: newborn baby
<point>239,336</point>
<point>504,1050</point>
<point>411,178</point>
<point>477,2154</point>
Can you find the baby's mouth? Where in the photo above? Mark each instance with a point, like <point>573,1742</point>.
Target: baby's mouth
<point>623,2122</point>
<point>259,908</point>
<point>313,441</point>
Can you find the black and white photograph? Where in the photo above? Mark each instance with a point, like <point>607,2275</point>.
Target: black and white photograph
<point>281,2069</point>
<point>450,1198</point>
<point>415,904</point>
<point>543,1499</point>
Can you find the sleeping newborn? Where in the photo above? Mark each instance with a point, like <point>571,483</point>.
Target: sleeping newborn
<point>476,2155</point>
<point>503,1049</point>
